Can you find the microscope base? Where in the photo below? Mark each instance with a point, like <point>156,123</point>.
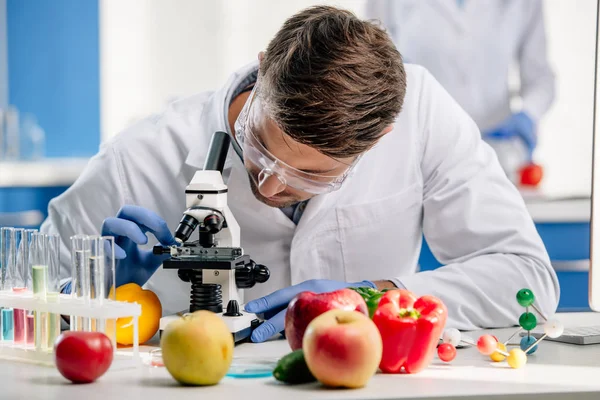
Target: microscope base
<point>241,327</point>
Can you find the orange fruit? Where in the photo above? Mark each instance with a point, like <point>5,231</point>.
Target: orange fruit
<point>149,320</point>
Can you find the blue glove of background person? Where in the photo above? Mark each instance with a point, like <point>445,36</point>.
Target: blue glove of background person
<point>518,125</point>
<point>129,228</point>
<point>274,305</point>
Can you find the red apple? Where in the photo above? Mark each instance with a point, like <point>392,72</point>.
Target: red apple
<point>306,306</point>
<point>83,357</point>
<point>342,348</point>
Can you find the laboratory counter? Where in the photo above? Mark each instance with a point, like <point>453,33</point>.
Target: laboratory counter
<point>563,209</point>
<point>44,173</point>
<point>26,188</point>
<point>555,371</point>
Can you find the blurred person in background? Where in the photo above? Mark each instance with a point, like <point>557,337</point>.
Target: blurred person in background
<point>469,47</point>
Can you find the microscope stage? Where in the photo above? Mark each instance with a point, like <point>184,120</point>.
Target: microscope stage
<point>241,327</point>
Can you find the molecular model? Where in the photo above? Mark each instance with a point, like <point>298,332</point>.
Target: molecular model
<point>489,345</point>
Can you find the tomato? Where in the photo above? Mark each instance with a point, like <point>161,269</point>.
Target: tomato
<point>83,357</point>
<point>531,175</point>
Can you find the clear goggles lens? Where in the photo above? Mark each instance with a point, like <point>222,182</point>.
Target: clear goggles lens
<point>271,167</point>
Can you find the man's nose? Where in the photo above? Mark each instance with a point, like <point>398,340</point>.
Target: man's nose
<point>270,184</point>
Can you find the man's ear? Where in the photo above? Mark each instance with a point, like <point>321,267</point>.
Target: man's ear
<point>261,57</point>
<point>387,129</point>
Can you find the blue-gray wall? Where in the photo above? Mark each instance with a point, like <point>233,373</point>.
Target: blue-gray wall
<point>53,70</point>
<point>3,63</point>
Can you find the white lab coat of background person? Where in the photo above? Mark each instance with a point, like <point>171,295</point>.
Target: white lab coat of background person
<point>432,174</point>
<point>470,49</point>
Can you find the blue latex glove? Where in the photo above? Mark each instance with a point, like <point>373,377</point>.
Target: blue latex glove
<point>518,125</point>
<point>129,228</point>
<point>275,304</point>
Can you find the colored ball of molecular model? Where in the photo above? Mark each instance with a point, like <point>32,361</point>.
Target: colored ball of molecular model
<point>446,352</point>
<point>526,342</point>
<point>452,336</point>
<point>525,297</point>
<point>498,355</point>
<point>489,345</point>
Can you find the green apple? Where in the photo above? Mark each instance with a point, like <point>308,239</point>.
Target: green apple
<point>197,349</point>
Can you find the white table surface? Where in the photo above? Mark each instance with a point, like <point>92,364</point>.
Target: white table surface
<point>558,369</point>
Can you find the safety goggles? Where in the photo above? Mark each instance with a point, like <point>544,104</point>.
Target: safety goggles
<point>254,152</point>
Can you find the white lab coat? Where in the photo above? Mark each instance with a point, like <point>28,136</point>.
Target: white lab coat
<point>470,51</point>
<point>432,174</point>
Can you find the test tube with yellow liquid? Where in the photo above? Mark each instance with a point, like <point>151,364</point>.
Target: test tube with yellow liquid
<point>52,289</point>
<point>39,275</point>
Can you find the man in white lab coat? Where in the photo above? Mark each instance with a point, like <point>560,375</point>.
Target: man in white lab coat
<point>364,156</point>
<point>470,47</point>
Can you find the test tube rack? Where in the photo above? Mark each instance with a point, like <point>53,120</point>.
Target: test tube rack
<point>73,307</point>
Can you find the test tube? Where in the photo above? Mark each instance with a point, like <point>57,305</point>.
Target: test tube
<point>52,287</point>
<point>94,279</point>
<point>29,278</point>
<point>80,256</point>
<point>4,231</point>
<point>108,286</point>
<point>12,240</point>
<point>39,265</point>
<point>30,328</point>
<point>5,239</point>
<point>39,272</point>
<point>19,282</point>
<point>29,314</point>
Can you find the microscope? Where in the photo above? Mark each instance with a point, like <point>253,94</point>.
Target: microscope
<point>215,264</point>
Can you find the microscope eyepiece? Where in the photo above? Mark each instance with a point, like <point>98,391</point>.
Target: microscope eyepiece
<point>186,227</point>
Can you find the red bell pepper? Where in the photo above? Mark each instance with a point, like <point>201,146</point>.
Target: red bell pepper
<point>410,329</point>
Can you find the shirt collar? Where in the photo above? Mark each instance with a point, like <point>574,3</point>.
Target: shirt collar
<point>214,116</point>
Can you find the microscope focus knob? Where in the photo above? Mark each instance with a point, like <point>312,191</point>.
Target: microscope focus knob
<point>261,273</point>
<point>184,275</point>
<point>233,309</point>
<point>250,274</point>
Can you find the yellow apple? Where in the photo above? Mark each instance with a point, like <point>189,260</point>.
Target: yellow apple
<point>197,349</point>
<point>342,348</point>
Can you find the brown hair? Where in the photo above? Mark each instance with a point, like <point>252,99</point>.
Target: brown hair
<point>332,81</point>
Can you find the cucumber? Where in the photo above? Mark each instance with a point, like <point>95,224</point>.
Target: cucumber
<point>292,368</point>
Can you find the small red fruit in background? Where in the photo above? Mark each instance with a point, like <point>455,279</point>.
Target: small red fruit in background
<point>531,174</point>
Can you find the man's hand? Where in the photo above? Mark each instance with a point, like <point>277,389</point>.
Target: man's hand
<point>381,285</point>
<point>519,125</point>
<point>129,229</point>
<point>274,305</point>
